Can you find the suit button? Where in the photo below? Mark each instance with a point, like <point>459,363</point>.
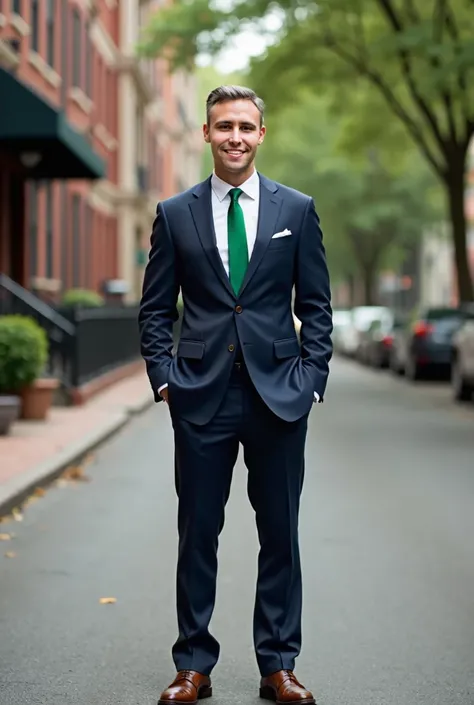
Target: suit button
<point>231,348</point>
<point>238,309</point>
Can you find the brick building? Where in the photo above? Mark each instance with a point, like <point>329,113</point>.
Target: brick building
<point>90,138</point>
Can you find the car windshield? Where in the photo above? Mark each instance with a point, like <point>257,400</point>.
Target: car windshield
<point>445,320</point>
<point>437,314</point>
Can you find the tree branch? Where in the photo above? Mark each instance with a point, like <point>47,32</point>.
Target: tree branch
<point>439,14</point>
<point>453,32</point>
<point>391,99</point>
<point>407,71</point>
<point>411,12</point>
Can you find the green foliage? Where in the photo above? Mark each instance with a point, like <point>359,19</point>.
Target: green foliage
<point>23,352</point>
<point>372,206</point>
<point>403,70</point>
<point>83,298</point>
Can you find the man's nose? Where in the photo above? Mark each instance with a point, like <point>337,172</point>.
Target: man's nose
<point>235,137</point>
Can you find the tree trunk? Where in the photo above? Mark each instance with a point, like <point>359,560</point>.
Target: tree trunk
<point>351,286</point>
<point>368,277</point>
<point>455,194</point>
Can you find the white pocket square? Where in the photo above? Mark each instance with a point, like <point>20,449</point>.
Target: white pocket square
<point>283,233</point>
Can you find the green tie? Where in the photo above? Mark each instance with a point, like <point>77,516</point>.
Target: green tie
<point>237,239</point>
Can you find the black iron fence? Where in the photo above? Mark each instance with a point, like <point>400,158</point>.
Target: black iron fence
<point>84,343</point>
<point>105,338</point>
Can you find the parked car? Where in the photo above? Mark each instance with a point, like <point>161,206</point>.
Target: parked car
<point>361,319</point>
<point>462,365</point>
<point>376,342</point>
<point>341,318</point>
<point>423,347</point>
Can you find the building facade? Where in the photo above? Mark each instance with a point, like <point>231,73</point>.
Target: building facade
<point>90,139</point>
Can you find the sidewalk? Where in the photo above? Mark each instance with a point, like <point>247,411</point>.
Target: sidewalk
<point>36,452</point>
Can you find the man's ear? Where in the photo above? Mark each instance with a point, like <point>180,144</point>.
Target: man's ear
<point>205,132</point>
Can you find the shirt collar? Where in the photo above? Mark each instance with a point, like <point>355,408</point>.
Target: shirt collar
<point>250,187</point>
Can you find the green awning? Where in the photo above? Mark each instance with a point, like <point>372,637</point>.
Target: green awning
<point>31,126</point>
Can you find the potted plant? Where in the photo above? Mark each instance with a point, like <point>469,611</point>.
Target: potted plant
<point>23,354</point>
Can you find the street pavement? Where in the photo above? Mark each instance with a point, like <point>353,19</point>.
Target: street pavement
<point>387,526</point>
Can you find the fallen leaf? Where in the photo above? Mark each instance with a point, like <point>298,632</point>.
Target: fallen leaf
<point>10,554</point>
<point>39,492</point>
<point>75,473</point>
<point>17,515</point>
<point>5,537</point>
<point>108,600</point>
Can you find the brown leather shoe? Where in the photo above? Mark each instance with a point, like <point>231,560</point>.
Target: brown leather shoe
<point>188,687</point>
<point>284,688</point>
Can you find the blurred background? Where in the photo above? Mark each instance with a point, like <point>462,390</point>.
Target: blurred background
<point>370,110</point>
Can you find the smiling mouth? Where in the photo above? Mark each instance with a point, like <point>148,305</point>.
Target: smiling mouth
<point>234,152</point>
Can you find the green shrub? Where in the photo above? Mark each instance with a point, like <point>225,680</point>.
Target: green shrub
<point>82,297</point>
<point>23,352</point>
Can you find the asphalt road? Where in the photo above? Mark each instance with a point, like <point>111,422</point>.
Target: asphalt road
<point>387,529</point>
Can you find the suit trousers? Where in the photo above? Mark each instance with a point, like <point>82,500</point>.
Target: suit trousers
<point>204,461</point>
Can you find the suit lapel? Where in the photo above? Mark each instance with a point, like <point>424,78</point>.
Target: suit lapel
<point>201,210</point>
<point>269,210</point>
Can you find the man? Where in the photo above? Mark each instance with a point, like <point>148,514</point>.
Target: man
<point>236,245</point>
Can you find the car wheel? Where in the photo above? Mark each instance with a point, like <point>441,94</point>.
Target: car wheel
<point>462,390</point>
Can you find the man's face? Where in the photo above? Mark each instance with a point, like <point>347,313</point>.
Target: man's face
<point>234,133</point>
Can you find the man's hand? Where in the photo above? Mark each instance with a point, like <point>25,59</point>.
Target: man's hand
<point>164,394</point>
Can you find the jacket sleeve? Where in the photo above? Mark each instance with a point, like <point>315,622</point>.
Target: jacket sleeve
<point>312,304</point>
<point>158,309</point>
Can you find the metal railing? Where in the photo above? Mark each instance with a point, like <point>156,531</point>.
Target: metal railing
<point>105,338</point>
<point>14,299</point>
<point>84,343</point>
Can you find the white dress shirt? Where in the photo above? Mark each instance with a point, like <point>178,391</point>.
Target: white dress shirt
<point>249,201</point>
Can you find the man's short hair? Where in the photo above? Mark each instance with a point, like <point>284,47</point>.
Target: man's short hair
<point>225,93</point>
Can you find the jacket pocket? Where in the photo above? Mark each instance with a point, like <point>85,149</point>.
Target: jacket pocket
<point>191,349</point>
<point>287,347</point>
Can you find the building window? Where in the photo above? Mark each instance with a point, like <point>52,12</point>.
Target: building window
<point>16,7</point>
<point>35,25</point>
<point>33,227</point>
<point>76,48</point>
<point>50,34</point>
<point>89,57</point>
<point>49,230</point>
<point>76,240</point>
<point>89,222</point>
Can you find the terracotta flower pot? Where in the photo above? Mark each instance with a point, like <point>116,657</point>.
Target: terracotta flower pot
<point>37,399</point>
<point>9,412</point>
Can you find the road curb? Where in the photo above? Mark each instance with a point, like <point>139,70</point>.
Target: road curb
<point>16,490</point>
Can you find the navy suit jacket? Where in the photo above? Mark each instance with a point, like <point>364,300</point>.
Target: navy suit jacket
<point>285,371</point>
